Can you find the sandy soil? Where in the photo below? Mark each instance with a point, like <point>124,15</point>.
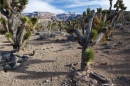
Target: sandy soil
<point>51,57</point>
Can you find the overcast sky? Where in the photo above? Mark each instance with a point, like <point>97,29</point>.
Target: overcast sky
<point>61,6</point>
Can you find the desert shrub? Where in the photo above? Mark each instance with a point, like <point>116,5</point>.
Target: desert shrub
<point>88,55</point>
<point>68,29</point>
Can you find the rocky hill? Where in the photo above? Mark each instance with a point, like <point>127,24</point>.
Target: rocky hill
<point>43,16</point>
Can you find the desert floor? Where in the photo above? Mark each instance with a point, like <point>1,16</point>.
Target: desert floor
<point>52,56</point>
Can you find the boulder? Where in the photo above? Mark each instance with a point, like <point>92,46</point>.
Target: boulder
<point>10,61</point>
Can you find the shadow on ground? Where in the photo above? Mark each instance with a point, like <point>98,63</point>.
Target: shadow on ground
<point>26,74</point>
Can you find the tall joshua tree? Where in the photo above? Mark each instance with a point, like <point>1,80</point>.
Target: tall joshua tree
<point>112,18</point>
<point>12,9</point>
<point>99,12</point>
<point>121,6</point>
<point>84,41</point>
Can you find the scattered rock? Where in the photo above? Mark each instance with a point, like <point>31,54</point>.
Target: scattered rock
<point>37,33</point>
<point>104,63</point>
<point>47,48</point>
<point>46,82</point>
<point>126,30</point>
<point>119,25</point>
<point>106,52</point>
<point>109,46</point>
<point>10,61</point>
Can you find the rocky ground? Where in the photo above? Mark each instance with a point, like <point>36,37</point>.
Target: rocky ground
<point>51,64</point>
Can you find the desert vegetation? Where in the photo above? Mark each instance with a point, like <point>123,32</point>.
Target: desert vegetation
<point>92,29</point>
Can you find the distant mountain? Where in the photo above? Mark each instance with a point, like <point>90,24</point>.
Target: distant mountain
<point>68,16</point>
<point>47,16</point>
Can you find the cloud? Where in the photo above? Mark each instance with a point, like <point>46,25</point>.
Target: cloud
<point>39,5</point>
<point>103,3</point>
<point>77,3</point>
<point>61,6</point>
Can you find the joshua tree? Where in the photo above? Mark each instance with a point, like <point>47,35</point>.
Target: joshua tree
<point>12,9</point>
<point>104,12</point>
<point>120,6</point>
<point>99,12</point>
<point>112,18</point>
<point>95,23</point>
<point>83,40</point>
<point>60,25</point>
